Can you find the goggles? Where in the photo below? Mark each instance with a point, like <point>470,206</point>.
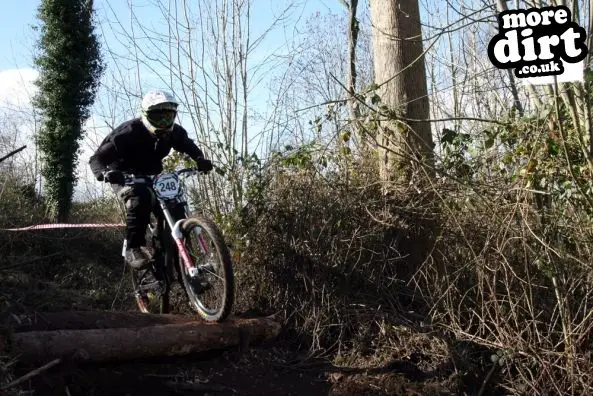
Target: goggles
<point>161,118</point>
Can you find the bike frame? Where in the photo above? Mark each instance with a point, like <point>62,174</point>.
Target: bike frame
<point>174,225</point>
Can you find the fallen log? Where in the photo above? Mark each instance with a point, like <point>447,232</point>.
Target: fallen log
<point>82,320</point>
<point>101,345</point>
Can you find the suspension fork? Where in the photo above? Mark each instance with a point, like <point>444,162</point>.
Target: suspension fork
<point>179,239</point>
<point>197,231</point>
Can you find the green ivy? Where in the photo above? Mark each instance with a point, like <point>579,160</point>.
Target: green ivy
<point>70,67</point>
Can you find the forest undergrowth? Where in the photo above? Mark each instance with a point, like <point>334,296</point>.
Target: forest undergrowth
<point>478,278</point>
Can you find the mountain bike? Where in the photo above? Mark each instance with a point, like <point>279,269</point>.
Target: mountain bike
<point>187,248</point>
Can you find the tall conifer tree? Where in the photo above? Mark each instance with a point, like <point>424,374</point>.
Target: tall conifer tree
<point>70,66</point>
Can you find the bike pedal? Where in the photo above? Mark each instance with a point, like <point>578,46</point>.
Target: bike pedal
<point>156,285</point>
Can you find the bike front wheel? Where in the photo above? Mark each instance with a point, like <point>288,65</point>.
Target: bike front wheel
<point>209,281</point>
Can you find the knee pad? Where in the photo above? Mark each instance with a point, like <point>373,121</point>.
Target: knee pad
<point>124,193</point>
<point>131,203</point>
<point>138,197</point>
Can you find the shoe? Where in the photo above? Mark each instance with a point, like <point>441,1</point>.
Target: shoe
<point>138,258</point>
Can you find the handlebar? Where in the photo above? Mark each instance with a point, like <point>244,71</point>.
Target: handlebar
<point>191,171</point>
<point>139,178</point>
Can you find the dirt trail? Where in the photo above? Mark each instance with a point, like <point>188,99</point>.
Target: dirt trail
<point>258,371</point>
<point>279,369</point>
<point>274,370</point>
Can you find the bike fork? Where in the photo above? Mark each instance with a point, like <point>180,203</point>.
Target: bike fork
<point>179,241</point>
<point>198,232</point>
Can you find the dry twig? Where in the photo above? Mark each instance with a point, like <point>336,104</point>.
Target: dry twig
<point>31,374</point>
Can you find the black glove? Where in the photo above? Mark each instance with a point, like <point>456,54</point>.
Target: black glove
<point>114,177</point>
<point>204,165</point>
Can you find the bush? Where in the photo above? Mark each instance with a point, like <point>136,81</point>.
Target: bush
<point>330,252</point>
<point>85,259</point>
<point>494,252</point>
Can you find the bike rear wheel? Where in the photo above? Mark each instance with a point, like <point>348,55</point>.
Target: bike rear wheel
<point>210,286</point>
<point>149,299</point>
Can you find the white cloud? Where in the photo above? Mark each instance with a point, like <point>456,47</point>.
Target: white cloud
<point>17,88</point>
<point>16,116</point>
<point>16,111</point>
<point>17,128</point>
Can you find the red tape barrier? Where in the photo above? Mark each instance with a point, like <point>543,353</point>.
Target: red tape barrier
<point>55,226</point>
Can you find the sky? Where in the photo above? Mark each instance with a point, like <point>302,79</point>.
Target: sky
<point>16,36</point>
<point>17,42</point>
<point>17,17</point>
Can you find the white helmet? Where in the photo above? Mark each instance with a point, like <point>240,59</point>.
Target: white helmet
<point>159,109</point>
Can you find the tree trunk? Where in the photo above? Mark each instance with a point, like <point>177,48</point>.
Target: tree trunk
<point>401,76</point>
<point>84,320</point>
<point>353,31</point>
<point>100,345</point>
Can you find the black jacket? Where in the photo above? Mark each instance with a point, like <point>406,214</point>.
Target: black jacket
<point>132,148</point>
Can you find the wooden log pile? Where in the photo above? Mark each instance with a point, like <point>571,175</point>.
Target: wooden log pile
<point>90,336</point>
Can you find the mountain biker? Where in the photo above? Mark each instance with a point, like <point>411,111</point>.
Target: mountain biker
<point>139,146</point>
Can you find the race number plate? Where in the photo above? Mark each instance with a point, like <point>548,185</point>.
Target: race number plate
<point>166,186</point>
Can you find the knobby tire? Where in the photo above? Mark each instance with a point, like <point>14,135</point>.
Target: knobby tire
<point>225,264</point>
